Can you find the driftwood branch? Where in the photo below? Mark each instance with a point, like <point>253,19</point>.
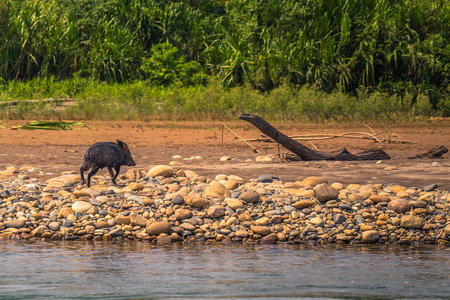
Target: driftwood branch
<point>436,152</point>
<point>306,153</point>
<point>348,135</point>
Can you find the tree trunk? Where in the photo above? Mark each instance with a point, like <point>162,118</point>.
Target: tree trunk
<point>304,152</point>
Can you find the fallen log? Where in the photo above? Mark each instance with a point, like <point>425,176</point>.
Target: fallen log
<point>306,153</point>
<point>436,152</point>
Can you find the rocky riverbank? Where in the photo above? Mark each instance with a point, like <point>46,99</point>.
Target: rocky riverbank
<point>165,205</point>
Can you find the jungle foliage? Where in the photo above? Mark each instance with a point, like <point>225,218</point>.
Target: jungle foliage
<point>400,48</point>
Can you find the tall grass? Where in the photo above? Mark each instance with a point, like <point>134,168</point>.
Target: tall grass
<point>141,101</point>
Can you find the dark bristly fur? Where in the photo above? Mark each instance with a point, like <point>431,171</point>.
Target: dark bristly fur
<point>106,154</point>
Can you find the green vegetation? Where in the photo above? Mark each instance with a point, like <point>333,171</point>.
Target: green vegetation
<point>309,60</point>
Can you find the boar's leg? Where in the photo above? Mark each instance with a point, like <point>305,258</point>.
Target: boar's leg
<point>117,168</point>
<point>90,174</point>
<point>83,169</point>
<point>111,172</point>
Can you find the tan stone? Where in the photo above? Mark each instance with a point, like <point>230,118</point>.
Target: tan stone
<point>136,186</point>
<point>182,214</point>
<point>216,189</point>
<point>410,221</point>
<point>158,228</point>
<point>262,230</point>
<point>399,205</point>
<point>137,220</point>
<point>379,198</point>
<point>250,197</point>
<point>160,170</point>
<point>122,220</point>
<point>312,181</point>
<point>81,207</point>
<point>370,236</point>
<point>325,192</point>
<point>216,211</point>
<point>303,204</point>
<point>231,184</point>
<point>234,203</point>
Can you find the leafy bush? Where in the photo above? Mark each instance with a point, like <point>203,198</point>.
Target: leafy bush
<point>167,65</point>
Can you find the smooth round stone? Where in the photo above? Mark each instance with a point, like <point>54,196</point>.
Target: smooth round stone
<point>81,207</point>
<point>187,226</point>
<point>160,170</point>
<point>345,206</point>
<point>316,221</point>
<point>312,181</point>
<point>267,178</point>
<point>101,199</point>
<point>359,219</point>
<point>182,214</point>
<point>430,187</point>
<point>158,228</point>
<point>231,184</point>
<point>216,211</point>
<point>66,223</point>
<point>410,221</point>
<point>136,186</point>
<point>199,202</point>
<point>234,203</point>
<point>399,205</point>
<point>304,204</point>
<point>103,212</point>
<point>250,197</point>
<point>54,226</point>
<point>216,189</point>
<point>262,230</point>
<point>178,199</point>
<point>325,192</point>
<point>370,236</point>
<point>289,208</point>
<point>241,233</point>
<point>262,221</point>
<point>14,223</point>
<point>339,218</point>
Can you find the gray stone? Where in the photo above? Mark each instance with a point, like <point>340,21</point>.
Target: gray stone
<point>116,232</point>
<point>339,218</point>
<point>267,178</point>
<point>430,187</point>
<point>178,199</point>
<point>54,226</point>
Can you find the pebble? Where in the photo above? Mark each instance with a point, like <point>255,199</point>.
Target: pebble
<point>176,206</point>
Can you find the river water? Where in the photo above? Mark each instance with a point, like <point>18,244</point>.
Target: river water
<point>82,270</point>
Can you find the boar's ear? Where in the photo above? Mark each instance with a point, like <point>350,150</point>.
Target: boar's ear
<point>122,145</point>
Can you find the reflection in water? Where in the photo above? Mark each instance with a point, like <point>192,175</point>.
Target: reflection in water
<point>141,270</point>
